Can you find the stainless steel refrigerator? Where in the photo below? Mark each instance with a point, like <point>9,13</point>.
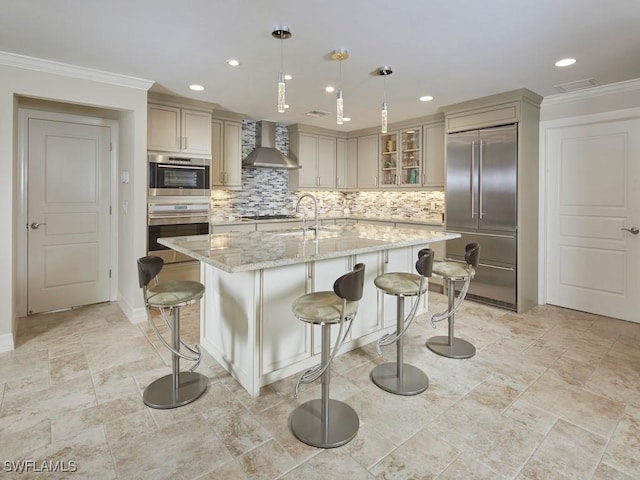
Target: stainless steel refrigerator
<point>481,204</point>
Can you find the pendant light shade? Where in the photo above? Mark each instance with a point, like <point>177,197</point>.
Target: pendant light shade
<point>340,55</point>
<point>384,112</point>
<point>281,33</point>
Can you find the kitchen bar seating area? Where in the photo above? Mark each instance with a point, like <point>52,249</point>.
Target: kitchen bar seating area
<point>548,391</point>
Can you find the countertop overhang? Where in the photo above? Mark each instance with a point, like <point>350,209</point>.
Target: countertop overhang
<point>244,251</point>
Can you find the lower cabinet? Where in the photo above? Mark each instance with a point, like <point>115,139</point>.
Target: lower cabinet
<point>240,227</point>
<point>439,248</point>
<point>180,271</point>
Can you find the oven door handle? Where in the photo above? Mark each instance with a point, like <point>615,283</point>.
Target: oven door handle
<point>181,166</point>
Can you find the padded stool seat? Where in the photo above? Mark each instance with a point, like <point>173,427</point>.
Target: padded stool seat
<point>174,294</point>
<point>325,422</point>
<point>399,377</point>
<point>400,284</point>
<point>449,345</point>
<point>178,388</point>
<point>322,307</point>
<point>452,270</point>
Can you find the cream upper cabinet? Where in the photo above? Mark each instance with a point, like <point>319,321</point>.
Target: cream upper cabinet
<point>401,158</point>
<point>434,148</point>
<point>226,153</point>
<point>367,161</point>
<point>316,155</point>
<point>346,163</point>
<point>179,130</point>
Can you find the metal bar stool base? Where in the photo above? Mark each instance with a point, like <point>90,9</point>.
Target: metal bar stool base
<point>342,425</point>
<point>160,393</point>
<point>412,382</point>
<point>458,348</point>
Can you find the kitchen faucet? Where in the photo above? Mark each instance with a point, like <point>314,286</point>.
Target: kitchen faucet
<point>315,226</point>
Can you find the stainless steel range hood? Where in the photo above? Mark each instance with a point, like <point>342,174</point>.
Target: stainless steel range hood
<point>266,155</point>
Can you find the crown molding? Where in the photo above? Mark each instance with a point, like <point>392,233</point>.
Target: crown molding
<point>49,66</point>
<point>600,90</point>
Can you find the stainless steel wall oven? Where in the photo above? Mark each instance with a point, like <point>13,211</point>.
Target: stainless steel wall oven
<point>175,220</point>
<point>177,176</point>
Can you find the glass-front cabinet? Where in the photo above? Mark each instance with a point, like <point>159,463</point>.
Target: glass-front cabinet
<point>401,158</point>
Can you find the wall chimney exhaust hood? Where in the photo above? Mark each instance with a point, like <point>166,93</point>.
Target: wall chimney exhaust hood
<point>266,155</point>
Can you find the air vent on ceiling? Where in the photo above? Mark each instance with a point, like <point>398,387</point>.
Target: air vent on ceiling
<point>316,113</point>
<point>577,85</point>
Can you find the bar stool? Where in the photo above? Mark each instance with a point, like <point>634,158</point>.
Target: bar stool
<point>451,346</point>
<point>399,377</point>
<point>325,422</point>
<point>178,388</point>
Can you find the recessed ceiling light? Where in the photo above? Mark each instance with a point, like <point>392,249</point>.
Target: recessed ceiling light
<point>287,76</point>
<point>565,62</point>
<point>346,119</point>
<point>196,88</point>
<point>426,98</point>
<point>330,89</point>
<point>232,62</point>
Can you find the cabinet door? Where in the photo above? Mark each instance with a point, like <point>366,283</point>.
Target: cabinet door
<point>342,167</point>
<point>196,132</point>
<point>433,165</point>
<point>368,161</point>
<point>232,159</point>
<point>326,164</point>
<point>389,159</point>
<point>352,163</point>
<point>163,128</point>
<point>410,158</point>
<point>217,167</point>
<point>307,158</point>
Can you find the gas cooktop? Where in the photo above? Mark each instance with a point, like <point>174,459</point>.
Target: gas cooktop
<point>267,217</point>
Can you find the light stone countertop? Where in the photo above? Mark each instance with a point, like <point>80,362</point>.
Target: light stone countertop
<point>426,219</point>
<point>245,251</point>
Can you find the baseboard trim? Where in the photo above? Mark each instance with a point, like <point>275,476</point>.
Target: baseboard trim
<point>7,342</point>
<point>134,315</point>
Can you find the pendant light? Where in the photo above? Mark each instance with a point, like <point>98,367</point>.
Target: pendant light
<point>340,55</point>
<point>281,33</point>
<point>384,71</point>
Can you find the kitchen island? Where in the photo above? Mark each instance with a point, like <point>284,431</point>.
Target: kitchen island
<point>252,278</point>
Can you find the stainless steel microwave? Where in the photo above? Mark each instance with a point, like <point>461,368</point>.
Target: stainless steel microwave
<point>178,176</point>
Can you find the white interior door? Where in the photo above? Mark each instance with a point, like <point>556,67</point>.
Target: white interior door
<point>593,263</point>
<point>68,214</point>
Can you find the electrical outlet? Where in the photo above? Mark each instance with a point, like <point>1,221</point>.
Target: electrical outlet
<point>388,203</point>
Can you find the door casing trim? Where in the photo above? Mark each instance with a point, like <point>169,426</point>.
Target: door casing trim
<point>24,115</point>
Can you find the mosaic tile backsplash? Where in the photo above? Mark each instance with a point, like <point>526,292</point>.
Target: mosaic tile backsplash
<point>265,192</point>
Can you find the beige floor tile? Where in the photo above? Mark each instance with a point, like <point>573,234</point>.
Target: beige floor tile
<point>425,455</point>
<point>276,421</point>
<point>623,451</point>
<point>267,461</point>
<point>568,451</point>
<point>574,404</point>
<point>333,463</point>
<point>540,381</point>
<point>607,472</point>
<point>466,466</point>
<point>496,440</point>
<point>369,447</point>
<point>67,367</point>
<point>89,451</point>
<point>186,449</point>
<point>393,416</point>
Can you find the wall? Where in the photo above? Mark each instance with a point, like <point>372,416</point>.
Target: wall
<point>22,78</point>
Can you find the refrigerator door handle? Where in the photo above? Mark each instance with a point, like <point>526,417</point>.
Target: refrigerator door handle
<point>480,209</point>
<point>471,175</point>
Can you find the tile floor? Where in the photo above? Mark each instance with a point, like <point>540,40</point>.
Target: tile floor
<point>551,394</point>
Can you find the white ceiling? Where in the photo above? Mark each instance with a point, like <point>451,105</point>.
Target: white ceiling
<point>454,50</point>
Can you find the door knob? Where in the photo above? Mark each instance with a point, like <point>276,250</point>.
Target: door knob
<point>632,230</point>
<point>35,225</point>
